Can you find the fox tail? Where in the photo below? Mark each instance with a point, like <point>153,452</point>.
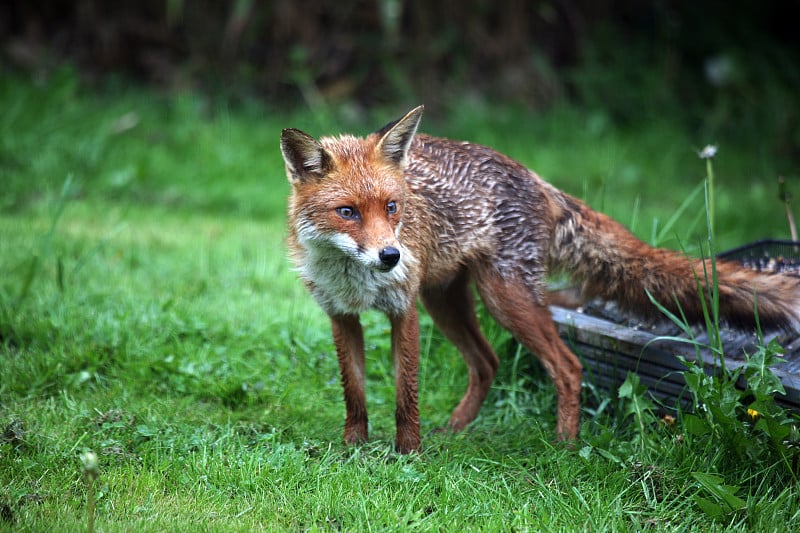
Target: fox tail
<point>612,264</point>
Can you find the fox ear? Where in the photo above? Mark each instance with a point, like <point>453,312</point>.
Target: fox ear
<point>304,155</point>
<point>396,137</point>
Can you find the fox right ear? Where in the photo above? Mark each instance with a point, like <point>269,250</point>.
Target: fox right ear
<point>303,154</point>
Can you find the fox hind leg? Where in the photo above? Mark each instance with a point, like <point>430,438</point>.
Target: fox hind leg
<point>522,313</point>
<point>453,311</point>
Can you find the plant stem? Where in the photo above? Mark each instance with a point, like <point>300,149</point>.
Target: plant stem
<point>710,175</point>
<point>90,505</point>
<point>786,198</point>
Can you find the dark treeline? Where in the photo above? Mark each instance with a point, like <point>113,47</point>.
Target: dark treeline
<point>621,55</point>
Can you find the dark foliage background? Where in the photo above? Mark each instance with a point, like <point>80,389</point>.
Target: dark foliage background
<point>721,66</point>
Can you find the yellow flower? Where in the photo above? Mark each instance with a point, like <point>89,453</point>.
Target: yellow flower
<point>752,413</point>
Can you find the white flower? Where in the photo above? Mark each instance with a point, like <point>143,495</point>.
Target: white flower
<point>91,469</point>
<point>708,152</point>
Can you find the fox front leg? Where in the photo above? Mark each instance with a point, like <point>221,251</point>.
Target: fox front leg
<point>349,340</point>
<point>405,352</point>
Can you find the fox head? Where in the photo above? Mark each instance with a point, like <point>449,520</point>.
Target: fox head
<point>348,193</point>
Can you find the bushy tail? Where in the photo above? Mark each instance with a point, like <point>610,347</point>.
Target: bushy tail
<point>614,265</point>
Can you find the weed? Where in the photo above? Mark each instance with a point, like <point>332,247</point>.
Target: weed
<point>637,405</point>
<point>735,409</point>
<point>91,472</point>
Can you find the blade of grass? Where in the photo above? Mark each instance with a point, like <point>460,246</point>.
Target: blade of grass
<point>45,243</point>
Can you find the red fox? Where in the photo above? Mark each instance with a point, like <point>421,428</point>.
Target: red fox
<point>376,222</point>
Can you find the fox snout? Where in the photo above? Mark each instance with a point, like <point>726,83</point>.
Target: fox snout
<point>389,257</point>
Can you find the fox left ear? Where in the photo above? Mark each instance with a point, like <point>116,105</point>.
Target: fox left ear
<point>396,137</point>
<point>304,155</point>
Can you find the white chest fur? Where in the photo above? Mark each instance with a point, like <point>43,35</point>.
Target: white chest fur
<point>347,283</point>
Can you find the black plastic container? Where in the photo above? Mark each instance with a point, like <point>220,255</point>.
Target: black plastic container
<point>768,255</point>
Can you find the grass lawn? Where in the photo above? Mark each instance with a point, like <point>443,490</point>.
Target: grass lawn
<point>148,314</point>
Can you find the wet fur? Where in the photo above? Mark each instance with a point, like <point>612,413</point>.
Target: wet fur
<point>468,215</point>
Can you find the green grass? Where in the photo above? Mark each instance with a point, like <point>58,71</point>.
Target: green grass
<point>148,313</point>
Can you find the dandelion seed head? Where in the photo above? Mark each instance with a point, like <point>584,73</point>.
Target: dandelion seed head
<point>708,152</point>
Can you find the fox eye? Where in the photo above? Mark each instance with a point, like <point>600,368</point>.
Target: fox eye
<point>347,212</point>
<point>391,207</point>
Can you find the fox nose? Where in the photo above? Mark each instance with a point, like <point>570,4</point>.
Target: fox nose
<point>389,256</point>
